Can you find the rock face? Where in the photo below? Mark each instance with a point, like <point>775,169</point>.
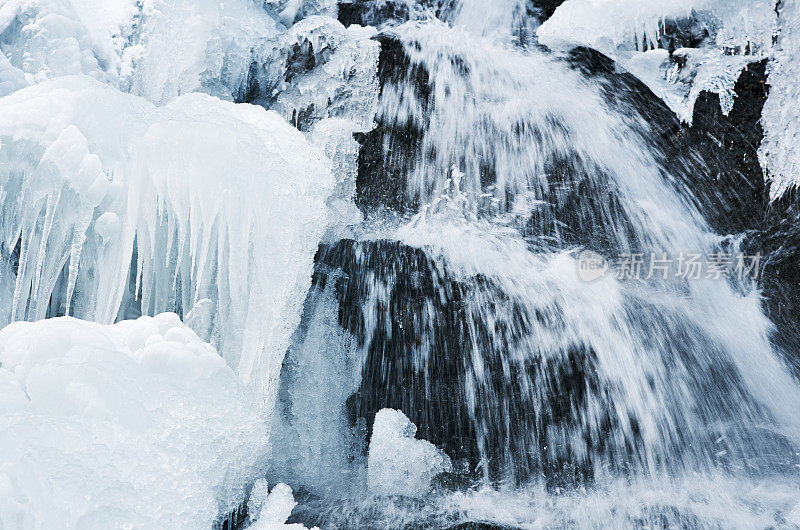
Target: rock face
<point>371,13</point>
<point>716,157</point>
<point>734,185</point>
<point>388,151</point>
<point>432,397</point>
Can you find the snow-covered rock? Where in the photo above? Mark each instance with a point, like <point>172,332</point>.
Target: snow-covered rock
<point>134,425</point>
<point>331,72</point>
<point>780,149</point>
<point>217,201</point>
<point>730,34</point>
<point>398,464</point>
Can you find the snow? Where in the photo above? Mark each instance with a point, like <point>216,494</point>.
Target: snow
<point>630,31</point>
<point>780,149</point>
<point>134,425</point>
<point>398,464</point>
<point>608,24</point>
<point>47,38</point>
<point>217,201</point>
<point>11,78</point>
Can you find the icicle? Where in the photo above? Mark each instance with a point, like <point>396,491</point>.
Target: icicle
<point>41,254</point>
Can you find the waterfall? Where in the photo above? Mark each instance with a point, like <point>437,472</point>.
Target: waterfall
<point>466,306</point>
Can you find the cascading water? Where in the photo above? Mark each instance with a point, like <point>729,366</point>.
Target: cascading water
<point>468,313</point>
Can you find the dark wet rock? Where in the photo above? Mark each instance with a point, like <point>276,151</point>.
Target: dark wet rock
<point>734,185</point>
<point>381,12</point>
<point>480,526</point>
<point>389,151</point>
<point>685,32</point>
<point>717,157</point>
<point>418,333</point>
<point>778,242</point>
<point>371,13</point>
<point>432,398</point>
<point>546,8</point>
<point>740,200</point>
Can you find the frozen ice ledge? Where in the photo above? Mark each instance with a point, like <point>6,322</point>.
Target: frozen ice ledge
<point>110,202</point>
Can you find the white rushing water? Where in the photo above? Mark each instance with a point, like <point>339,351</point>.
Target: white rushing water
<point>655,387</point>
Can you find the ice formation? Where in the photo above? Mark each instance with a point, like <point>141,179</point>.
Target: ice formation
<point>399,464</point>
<point>132,45</point>
<point>216,41</point>
<point>11,78</point>
<point>269,510</point>
<point>215,201</point>
<point>331,73</point>
<point>137,424</point>
<point>49,38</point>
<point>780,149</point>
<point>311,437</point>
<point>652,40</point>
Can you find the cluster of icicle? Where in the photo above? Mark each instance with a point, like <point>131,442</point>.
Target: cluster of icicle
<point>131,183</point>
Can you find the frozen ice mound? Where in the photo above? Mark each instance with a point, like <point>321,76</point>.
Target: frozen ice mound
<point>211,202</point>
<point>269,510</point>
<point>217,42</point>
<point>157,49</point>
<point>139,424</point>
<point>330,73</point>
<point>48,38</point>
<point>398,464</point>
<point>729,34</point>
